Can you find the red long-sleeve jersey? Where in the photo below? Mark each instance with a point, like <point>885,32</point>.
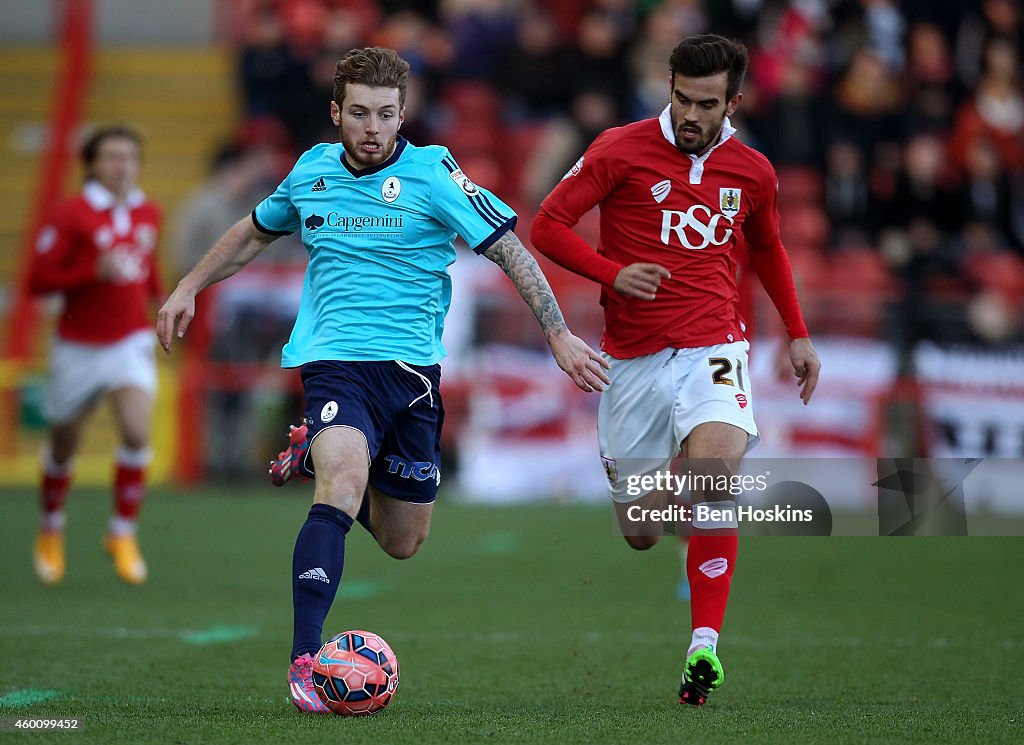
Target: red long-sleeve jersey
<point>67,250</point>
<point>659,205</point>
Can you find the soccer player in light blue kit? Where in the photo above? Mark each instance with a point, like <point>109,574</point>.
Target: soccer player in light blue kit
<point>378,217</point>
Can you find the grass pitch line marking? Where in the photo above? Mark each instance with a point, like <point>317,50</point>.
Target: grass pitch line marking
<point>218,634</point>
<point>209,635</point>
<point>26,697</point>
<point>360,589</point>
<point>226,634</point>
<point>113,632</point>
<point>748,642</point>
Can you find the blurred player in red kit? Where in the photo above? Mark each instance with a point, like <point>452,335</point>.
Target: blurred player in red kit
<point>98,251</point>
<point>677,194</point>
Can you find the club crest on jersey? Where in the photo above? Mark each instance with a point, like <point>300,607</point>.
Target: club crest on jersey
<point>145,237</point>
<point>729,201</point>
<point>468,187</point>
<point>46,240</point>
<point>390,189</point>
<point>103,237</point>
<point>660,190</point>
<point>576,168</point>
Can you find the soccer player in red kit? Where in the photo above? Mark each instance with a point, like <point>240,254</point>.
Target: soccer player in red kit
<point>676,193</point>
<point>98,252</point>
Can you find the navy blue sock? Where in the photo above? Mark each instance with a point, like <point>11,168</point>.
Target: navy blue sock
<point>317,564</point>
<point>363,518</point>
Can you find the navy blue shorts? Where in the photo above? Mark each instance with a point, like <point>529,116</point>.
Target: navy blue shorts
<point>397,406</point>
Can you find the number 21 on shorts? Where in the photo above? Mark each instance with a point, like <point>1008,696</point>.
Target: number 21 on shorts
<point>722,367</point>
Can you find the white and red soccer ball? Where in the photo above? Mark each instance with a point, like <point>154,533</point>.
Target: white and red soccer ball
<point>355,673</point>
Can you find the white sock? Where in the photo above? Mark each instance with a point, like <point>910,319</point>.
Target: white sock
<point>54,521</point>
<point>122,525</point>
<point>126,456</point>
<point>51,467</point>
<point>705,636</point>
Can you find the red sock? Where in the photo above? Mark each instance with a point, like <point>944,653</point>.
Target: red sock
<point>129,483</point>
<point>709,563</point>
<point>53,491</point>
<point>129,488</point>
<point>53,495</point>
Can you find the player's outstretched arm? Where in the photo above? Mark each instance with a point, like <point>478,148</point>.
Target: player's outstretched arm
<point>237,247</point>
<point>582,364</point>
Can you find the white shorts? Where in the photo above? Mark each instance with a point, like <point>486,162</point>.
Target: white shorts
<point>80,373</point>
<point>655,401</point>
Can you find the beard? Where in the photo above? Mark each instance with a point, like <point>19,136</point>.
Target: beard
<point>700,138</point>
<point>359,157</point>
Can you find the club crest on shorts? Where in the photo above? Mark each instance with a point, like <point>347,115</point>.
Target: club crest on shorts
<point>329,411</point>
<point>741,399</point>
<point>611,470</point>
<point>729,201</point>
<point>390,189</point>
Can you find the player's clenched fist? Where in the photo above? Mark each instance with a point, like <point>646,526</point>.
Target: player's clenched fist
<point>641,280</point>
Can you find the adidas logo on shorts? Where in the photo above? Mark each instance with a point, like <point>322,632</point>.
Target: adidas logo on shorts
<point>316,573</point>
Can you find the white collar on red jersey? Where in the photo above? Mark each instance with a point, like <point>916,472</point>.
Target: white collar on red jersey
<point>697,169</point>
<point>665,119</point>
<point>101,199</point>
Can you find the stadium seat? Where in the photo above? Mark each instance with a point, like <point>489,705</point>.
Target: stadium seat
<point>472,102</point>
<point>857,289</point>
<point>803,226</point>
<point>799,185</point>
<point>519,144</point>
<point>1001,271</point>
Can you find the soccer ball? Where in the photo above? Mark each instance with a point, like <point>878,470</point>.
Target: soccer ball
<point>355,673</point>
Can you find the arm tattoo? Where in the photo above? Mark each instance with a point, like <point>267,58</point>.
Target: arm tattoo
<point>511,255</point>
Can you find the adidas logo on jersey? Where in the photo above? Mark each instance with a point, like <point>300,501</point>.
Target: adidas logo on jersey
<point>316,573</point>
<point>319,185</point>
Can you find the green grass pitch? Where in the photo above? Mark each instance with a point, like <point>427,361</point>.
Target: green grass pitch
<point>530,624</point>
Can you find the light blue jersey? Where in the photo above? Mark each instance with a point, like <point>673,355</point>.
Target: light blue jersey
<point>380,241</point>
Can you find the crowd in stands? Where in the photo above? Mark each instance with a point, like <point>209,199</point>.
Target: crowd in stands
<point>897,128</point>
